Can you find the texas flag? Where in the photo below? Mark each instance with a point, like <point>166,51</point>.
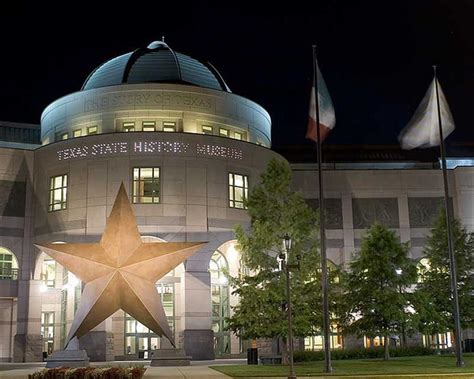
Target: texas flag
<point>423,129</point>
<point>327,117</point>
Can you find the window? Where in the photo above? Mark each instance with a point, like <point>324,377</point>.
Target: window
<point>238,135</point>
<point>169,126</point>
<point>8,265</point>
<point>63,331</point>
<point>238,190</point>
<point>61,136</point>
<point>48,272</point>
<point>92,130</point>
<point>206,129</point>
<point>57,193</point>
<point>148,126</point>
<point>47,331</point>
<point>77,133</point>
<point>220,306</point>
<point>146,185</point>
<point>223,132</point>
<point>128,127</point>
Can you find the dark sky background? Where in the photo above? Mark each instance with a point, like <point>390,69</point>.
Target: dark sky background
<point>376,57</point>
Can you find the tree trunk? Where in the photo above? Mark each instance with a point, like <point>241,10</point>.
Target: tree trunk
<point>285,358</point>
<point>386,351</point>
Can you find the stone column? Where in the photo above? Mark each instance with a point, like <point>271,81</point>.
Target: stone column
<point>404,217</point>
<point>348,227</point>
<point>28,342</point>
<point>99,342</point>
<point>198,335</point>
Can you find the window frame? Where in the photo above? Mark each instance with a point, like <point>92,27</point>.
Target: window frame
<point>240,136</point>
<point>75,131</point>
<point>52,189</point>
<point>127,125</point>
<point>136,196</point>
<point>231,189</point>
<point>210,130</point>
<point>170,125</point>
<point>92,127</point>
<point>226,133</point>
<point>148,124</point>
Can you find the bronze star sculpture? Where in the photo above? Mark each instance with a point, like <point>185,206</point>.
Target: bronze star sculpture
<point>120,272</point>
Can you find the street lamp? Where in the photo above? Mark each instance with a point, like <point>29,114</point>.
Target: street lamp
<point>287,268</point>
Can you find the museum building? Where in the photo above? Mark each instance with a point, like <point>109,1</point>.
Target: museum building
<point>187,150</point>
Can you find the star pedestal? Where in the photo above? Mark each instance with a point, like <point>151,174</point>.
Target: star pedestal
<point>170,357</point>
<point>71,357</point>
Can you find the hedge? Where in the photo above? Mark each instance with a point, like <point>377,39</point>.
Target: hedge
<point>89,373</point>
<point>361,353</point>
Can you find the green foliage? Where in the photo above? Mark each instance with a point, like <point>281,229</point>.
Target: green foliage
<point>361,353</point>
<point>89,373</point>
<point>434,289</point>
<point>377,300</point>
<point>276,210</point>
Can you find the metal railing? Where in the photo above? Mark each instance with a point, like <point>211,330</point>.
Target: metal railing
<point>8,274</point>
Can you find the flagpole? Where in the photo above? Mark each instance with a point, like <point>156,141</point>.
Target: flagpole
<point>452,262</point>
<point>324,276</point>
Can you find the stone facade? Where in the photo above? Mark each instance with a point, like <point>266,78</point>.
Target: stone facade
<point>37,305</point>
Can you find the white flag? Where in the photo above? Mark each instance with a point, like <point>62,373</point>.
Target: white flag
<point>423,129</point>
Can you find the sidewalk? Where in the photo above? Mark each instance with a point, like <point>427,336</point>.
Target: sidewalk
<point>196,371</point>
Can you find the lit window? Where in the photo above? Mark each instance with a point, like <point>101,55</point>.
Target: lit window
<point>169,126</point>
<point>128,127</point>
<point>206,129</point>
<point>47,331</point>
<point>146,185</point>
<point>77,133</point>
<point>149,126</point>
<point>61,136</point>
<point>238,135</point>
<point>220,305</point>
<point>92,130</point>
<point>57,192</point>
<point>223,132</point>
<point>48,272</point>
<point>8,265</point>
<point>238,190</point>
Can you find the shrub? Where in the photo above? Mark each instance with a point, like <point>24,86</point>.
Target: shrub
<point>89,373</point>
<point>360,353</point>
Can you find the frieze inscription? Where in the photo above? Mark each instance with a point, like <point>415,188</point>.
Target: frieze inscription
<point>153,99</point>
<point>148,147</point>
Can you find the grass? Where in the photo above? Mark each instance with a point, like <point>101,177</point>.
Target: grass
<point>406,365</point>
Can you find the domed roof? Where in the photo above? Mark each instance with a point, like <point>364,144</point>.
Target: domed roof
<point>156,63</point>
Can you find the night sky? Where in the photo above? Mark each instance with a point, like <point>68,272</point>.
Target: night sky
<point>376,58</point>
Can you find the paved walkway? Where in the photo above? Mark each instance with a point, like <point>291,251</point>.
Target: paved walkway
<point>197,370</point>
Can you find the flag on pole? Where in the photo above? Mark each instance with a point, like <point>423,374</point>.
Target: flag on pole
<point>423,129</point>
<point>327,117</point>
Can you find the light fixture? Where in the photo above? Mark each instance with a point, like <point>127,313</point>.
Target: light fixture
<point>287,242</point>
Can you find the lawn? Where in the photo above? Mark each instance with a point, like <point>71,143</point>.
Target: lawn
<point>406,365</point>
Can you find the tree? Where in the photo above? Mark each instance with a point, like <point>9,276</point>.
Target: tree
<point>276,210</point>
<point>435,286</point>
<point>377,300</point>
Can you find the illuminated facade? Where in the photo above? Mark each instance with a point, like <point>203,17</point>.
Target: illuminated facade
<point>188,150</point>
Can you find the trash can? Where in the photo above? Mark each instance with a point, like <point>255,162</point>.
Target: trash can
<point>252,356</point>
